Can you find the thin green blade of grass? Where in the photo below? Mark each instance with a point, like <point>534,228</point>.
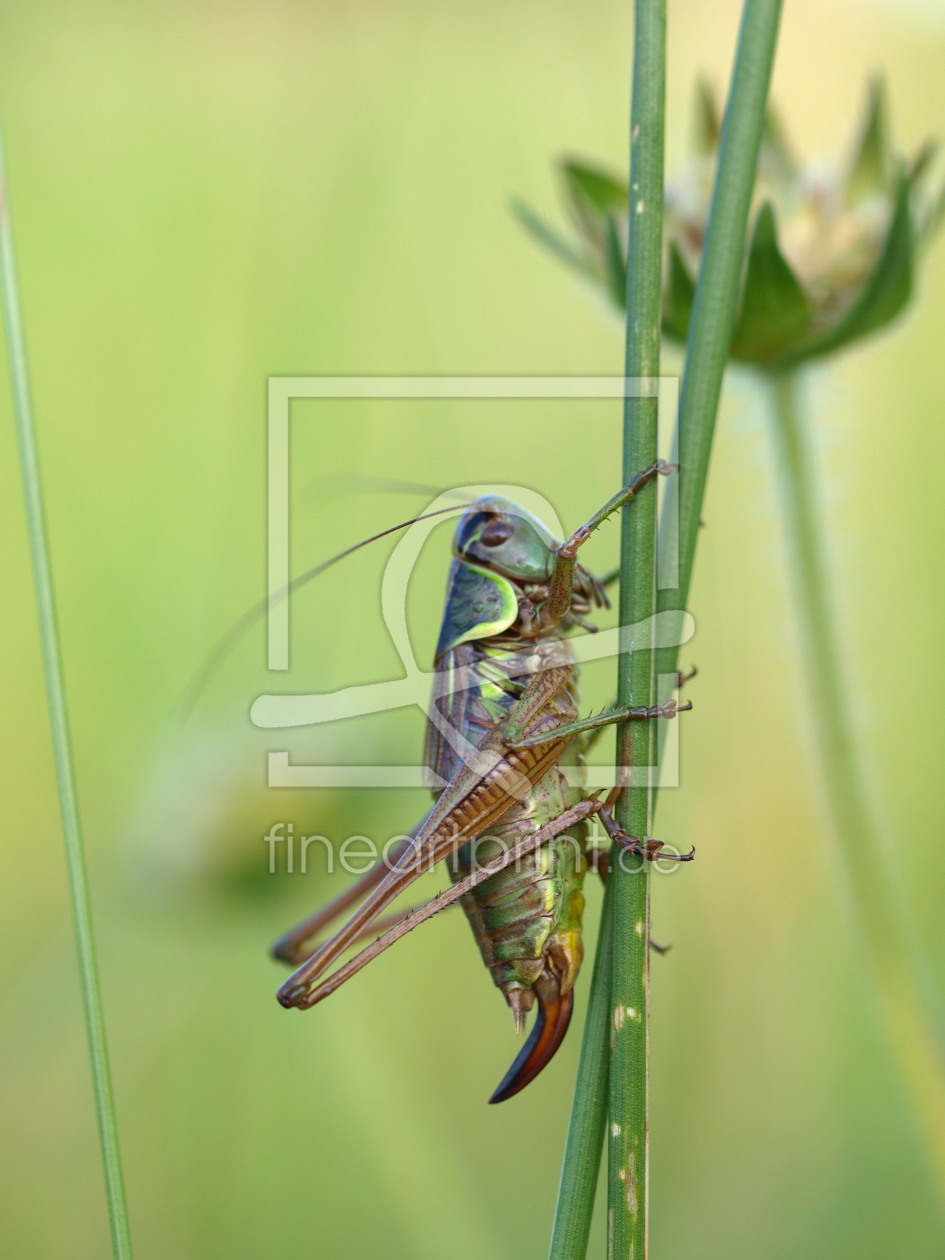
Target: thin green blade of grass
<point>59,723</point>
<point>892,966</point>
<point>717,286</point>
<point>707,352</point>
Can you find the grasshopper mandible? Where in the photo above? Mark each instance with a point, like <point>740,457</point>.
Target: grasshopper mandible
<point>504,729</point>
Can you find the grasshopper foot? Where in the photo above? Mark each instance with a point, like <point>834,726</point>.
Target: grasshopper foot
<point>668,709</point>
<point>650,850</point>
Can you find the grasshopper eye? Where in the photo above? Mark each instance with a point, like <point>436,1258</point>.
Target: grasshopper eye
<point>496,531</point>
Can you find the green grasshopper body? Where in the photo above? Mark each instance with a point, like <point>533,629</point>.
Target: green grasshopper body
<point>506,740</point>
<point>527,918</point>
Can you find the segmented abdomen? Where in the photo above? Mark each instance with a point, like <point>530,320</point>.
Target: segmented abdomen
<point>528,915</point>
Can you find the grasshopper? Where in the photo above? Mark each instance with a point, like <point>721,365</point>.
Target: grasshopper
<point>504,729</point>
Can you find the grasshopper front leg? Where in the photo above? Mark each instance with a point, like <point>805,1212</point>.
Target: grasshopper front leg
<point>561,587</point>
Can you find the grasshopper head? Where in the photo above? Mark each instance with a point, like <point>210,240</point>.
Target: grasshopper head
<point>500,535</point>
<point>500,551</point>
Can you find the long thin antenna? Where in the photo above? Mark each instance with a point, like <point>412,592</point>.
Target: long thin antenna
<point>229,639</point>
<point>373,483</point>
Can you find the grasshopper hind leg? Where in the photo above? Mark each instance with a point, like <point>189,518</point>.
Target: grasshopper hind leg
<point>296,945</point>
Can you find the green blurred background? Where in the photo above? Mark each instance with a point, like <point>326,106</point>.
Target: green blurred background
<point>208,194</point>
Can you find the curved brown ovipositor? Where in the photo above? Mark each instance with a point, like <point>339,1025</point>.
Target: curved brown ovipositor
<point>551,1023</point>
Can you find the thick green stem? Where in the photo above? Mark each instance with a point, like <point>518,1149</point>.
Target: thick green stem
<point>709,338</point>
<point>874,901</point>
<point>59,721</point>
<point>628,1039</point>
<point>575,1207</point>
